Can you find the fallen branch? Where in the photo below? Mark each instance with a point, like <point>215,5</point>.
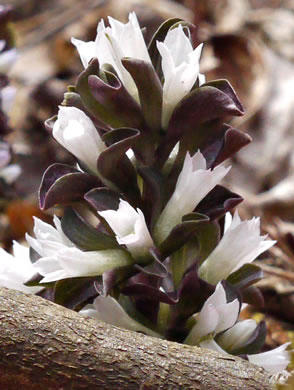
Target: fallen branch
<point>45,346</point>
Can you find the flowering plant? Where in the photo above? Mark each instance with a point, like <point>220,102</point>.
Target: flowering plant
<point>147,240</point>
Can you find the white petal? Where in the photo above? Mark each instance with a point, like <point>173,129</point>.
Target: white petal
<point>273,361</point>
<point>130,228</point>
<point>207,321</point>
<point>17,269</point>
<point>240,244</point>
<point>193,184</point>
<point>108,310</point>
<point>87,50</point>
<point>228,314</point>
<point>212,345</point>
<point>237,335</point>
<point>78,263</point>
<point>76,132</point>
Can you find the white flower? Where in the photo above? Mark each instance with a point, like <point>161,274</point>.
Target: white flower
<point>215,316</point>
<point>7,59</point>
<point>273,361</point>
<point>194,183</point>
<point>130,228</point>
<point>237,335</point>
<point>17,269</point>
<point>10,173</point>
<point>114,43</point>
<point>180,67</point>
<point>108,310</point>
<point>240,244</point>
<point>60,259</point>
<point>76,132</point>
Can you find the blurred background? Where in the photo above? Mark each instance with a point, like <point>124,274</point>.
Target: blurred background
<point>249,42</point>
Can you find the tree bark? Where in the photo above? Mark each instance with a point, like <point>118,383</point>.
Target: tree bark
<point>45,346</point>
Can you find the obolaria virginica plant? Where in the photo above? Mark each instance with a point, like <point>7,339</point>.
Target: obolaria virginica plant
<point>164,252</point>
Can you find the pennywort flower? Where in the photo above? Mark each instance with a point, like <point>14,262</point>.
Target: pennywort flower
<point>114,43</point>
<point>240,244</point>
<point>16,269</point>
<point>108,310</point>
<point>60,259</point>
<point>215,316</point>
<point>194,183</point>
<point>180,67</point>
<point>76,132</point>
<point>130,228</point>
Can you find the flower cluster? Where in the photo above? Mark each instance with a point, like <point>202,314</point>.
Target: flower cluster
<point>162,250</point>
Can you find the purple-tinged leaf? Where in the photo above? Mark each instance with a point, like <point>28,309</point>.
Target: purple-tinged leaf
<point>83,235</point>
<point>97,110</point>
<point>226,87</point>
<point>62,184</point>
<point>181,233</point>
<point>157,269</point>
<point>113,277</point>
<point>74,293</point>
<point>192,286</point>
<point>253,296</point>
<point>217,202</point>
<point>114,97</point>
<point>150,293</point>
<point>234,140</point>
<point>102,199</point>
<point>201,105</point>
<point>114,165</point>
<point>149,88</point>
<point>232,292</point>
<point>245,276</point>
<point>152,193</point>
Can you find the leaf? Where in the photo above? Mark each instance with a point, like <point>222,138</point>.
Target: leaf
<point>83,235</point>
<point>75,292</point>
<point>253,296</point>
<point>114,165</point>
<point>233,141</point>
<point>245,276</point>
<point>152,193</point>
<point>99,111</point>
<point>208,237</point>
<point>149,88</point>
<point>217,202</point>
<point>114,97</point>
<point>201,105</point>
<point>102,199</point>
<point>226,87</point>
<point>181,233</point>
<point>63,184</point>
